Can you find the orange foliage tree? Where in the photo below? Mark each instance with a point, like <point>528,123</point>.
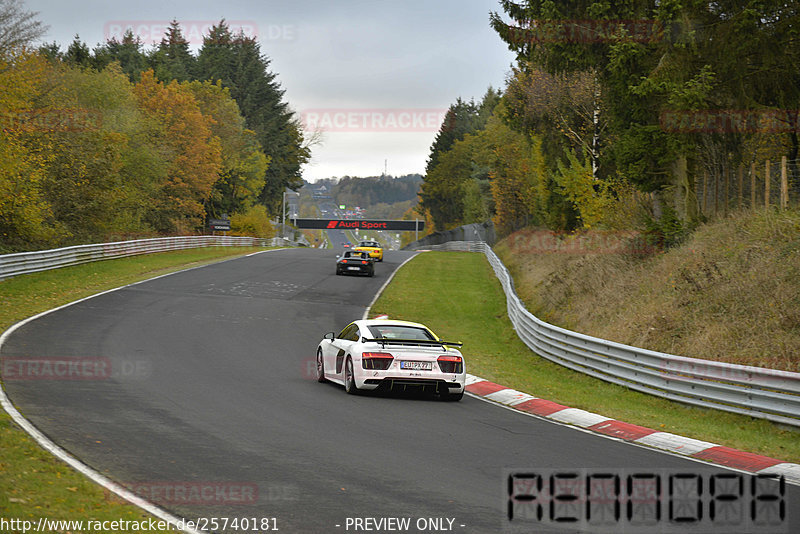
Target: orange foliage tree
<point>193,151</point>
<point>25,215</point>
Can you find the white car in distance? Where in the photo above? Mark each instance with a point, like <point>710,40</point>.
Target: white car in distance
<point>392,355</point>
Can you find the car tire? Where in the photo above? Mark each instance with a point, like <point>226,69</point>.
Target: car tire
<point>320,367</point>
<point>452,397</point>
<point>349,378</point>
<point>372,272</point>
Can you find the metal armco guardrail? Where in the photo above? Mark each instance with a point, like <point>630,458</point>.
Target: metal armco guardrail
<point>468,232</point>
<point>754,391</point>
<point>42,260</point>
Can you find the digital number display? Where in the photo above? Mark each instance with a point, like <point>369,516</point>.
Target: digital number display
<point>630,500</point>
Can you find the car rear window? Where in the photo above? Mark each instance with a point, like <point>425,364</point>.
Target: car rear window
<point>399,332</point>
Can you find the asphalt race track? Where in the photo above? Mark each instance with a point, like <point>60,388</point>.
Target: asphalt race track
<point>212,386</point>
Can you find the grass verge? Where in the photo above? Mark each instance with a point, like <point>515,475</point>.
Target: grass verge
<point>458,296</point>
<point>730,293</point>
<point>35,484</point>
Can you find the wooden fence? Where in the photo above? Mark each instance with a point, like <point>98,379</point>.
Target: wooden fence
<point>773,183</point>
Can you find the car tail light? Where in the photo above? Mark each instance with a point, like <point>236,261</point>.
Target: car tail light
<point>451,364</point>
<point>379,361</point>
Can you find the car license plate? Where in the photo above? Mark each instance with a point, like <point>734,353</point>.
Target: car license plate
<point>416,366</point>
<point>354,268</point>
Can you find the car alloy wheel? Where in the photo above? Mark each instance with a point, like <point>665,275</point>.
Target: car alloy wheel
<point>349,378</point>
<point>320,367</point>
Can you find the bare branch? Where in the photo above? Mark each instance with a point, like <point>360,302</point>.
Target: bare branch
<point>18,28</point>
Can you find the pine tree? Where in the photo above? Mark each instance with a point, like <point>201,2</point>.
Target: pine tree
<point>216,60</point>
<point>460,119</point>
<point>78,54</point>
<point>129,53</point>
<point>172,59</point>
<point>238,62</point>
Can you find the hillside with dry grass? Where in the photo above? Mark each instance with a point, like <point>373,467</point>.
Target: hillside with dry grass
<point>730,293</point>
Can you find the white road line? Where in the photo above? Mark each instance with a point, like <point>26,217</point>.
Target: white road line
<point>378,294</point>
<point>63,455</point>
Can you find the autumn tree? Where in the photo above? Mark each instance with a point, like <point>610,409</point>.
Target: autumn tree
<point>193,152</point>
<point>447,173</point>
<point>442,190</point>
<point>95,145</point>
<point>563,109</point>
<point>25,216</point>
<point>655,58</point>
<point>237,61</point>
<point>243,164</point>
<point>105,160</point>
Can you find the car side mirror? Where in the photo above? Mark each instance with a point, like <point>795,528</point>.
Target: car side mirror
<point>330,335</point>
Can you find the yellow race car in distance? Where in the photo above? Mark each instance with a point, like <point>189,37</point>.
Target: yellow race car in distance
<point>373,248</point>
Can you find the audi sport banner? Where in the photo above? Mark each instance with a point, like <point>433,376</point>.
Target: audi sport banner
<point>358,224</point>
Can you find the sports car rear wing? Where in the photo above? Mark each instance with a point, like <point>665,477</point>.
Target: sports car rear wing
<point>386,341</point>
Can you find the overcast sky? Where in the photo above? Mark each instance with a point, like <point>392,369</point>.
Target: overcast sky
<point>374,75</point>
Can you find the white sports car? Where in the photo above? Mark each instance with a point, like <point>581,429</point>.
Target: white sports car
<point>379,353</point>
